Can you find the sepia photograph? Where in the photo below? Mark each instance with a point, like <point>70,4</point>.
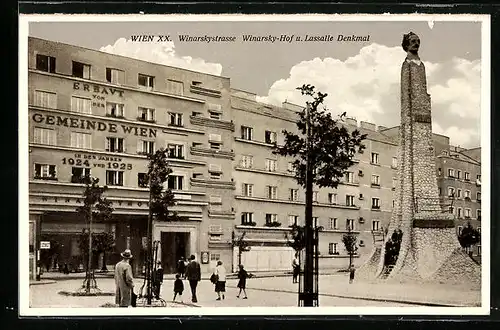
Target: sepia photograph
<point>254,165</point>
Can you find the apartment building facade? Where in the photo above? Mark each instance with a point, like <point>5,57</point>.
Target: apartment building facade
<point>269,200</point>
<point>99,114</point>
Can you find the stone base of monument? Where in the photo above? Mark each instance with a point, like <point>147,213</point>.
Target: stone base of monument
<point>433,255</point>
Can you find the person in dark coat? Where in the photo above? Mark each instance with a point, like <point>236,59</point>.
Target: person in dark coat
<point>181,267</point>
<point>295,269</point>
<point>157,280</point>
<point>242,282</point>
<point>193,274</point>
<point>178,287</point>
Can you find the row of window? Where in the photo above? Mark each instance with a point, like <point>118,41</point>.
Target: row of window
<point>113,75</point>
<point>247,218</point>
<point>85,105</point>
<point>457,174</point>
<point>465,213</point>
<point>114,144</point>
<point>457,193</point>
<point>271,192</point>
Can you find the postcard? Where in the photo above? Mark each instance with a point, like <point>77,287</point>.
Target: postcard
<point>254,165</point>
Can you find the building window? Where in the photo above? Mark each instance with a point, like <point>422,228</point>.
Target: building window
<point>45,99</point>
<point>376,180</point>
<point>393,203</point>
<point>142,180</point>
<point>81,105</point>
<point>175,182</point>
<point>439,171</point>
<point>467,176</point>
<point>374,158</point>
<point>332,198</point>
<point>78,174</point>
<point>478,196</point>
<point>315,221</point>
<point>478,177</point>
<point>439,191</point>
<point>349,200</point>
<point>293,220</point>
<point>394,162</point>
<point>146,114</point>
<point>459,193</point>
<point>270,137</point>
<point>332,248</point>
<point>246,133</point>
<point>459,230</point>
<point>451,210</point>
<point>272,192</point>
<point>114,76</point>
<point>350,224</point>
<point>247,189</point>
<point>315,196</point>
<point>215,115</point>
<point>333,223</point>
<point>145,81</point>
<point>451,173</point>
<point>45,63</point>
<point>290,167</point>
<point>459,212</point>
<point>375,225</point>
<point>114,178</point>
<point>145,147</point>
<point>175,151</point>
<point>479,249</point>
<point>375,203</point>
<point>451,192</point>
<point>246,218</point>
<point>174,87</point>
<point>479,229</point>
<point>294,195</point>
<point>478,215</point>
<point>459,174</point>
<point>271,218</point>
<point>81,70</point>
<point>349,177</point>
<point>467,194</point>
<point>176,119</point>
<point>215,176</point>
<point>45,172</point>
<point>44,136</point>
<point>81,140</point>
<point>115,109</point>
<point>214,145</point>
<point>246,161</point>
<point>467,213</point>
<point>214,256</point>
<point>394,183</point>
<point>271,165</point>
<point>114,144</point>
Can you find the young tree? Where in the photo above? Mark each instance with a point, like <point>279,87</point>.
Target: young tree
<point>241,244</point>
<point>331,146</point>
<point>95,208</point>
<point>350,243</point>
<point>297,241</point>
<point>469,237</point>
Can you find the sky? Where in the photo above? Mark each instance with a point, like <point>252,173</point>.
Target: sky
<point>360,78</point>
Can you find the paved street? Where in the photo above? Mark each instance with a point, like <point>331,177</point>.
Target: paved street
<point>272,292</point>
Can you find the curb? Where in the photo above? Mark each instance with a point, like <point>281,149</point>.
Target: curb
<point>42,282</point>
<point>409,302</point>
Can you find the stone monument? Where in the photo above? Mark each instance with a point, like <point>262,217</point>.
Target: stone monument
<point>429,249</point>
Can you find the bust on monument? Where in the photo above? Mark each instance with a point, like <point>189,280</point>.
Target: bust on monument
<point>411,44</point>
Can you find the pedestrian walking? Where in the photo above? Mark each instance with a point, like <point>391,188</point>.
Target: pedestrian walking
<point>220,284</point>
<point>124,280</point>
<point>193,274</point>
<point>351,274</point>
<point>157,280</point>
<point>242,282</point>
<point>178,287</point>
<point>295,269</point>
<point>181,267</point>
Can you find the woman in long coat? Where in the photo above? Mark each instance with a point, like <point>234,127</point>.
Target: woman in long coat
<point>242,283</point>
<point>124,280</point>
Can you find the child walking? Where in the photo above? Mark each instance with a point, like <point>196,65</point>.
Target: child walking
<point>242,283</point>
<point>178,287</point>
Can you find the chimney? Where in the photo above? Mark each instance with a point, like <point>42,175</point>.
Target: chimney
<point>352,121</point>
<point>367,125</point>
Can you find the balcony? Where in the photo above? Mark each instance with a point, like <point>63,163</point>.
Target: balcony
<point>249,223</point>
<point>375,185</point>
<point>48,178</point>
<point>273,224</point>
<point>375,207</point>
<point>115,116</point>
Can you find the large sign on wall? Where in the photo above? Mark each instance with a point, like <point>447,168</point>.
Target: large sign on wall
<point>96,160</point>
<point>93,125</point>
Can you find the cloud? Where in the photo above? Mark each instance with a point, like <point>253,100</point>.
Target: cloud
<point>161,53</point>
<point>367,87</point>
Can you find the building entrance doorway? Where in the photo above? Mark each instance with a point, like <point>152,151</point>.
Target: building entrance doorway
<point>174,245</point>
